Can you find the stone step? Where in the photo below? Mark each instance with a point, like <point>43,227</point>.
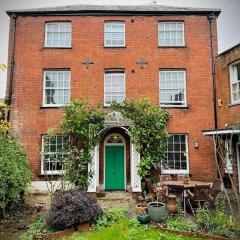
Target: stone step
<point>114,195</point>
<point>115,199</point>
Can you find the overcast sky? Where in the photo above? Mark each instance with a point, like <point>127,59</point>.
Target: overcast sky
<point>228,22</point>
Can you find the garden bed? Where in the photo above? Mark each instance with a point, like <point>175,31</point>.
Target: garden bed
<point>194,234</point>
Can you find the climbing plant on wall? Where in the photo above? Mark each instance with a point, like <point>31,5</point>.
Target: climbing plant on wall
<point>82,123</point>
<point>148,131</point>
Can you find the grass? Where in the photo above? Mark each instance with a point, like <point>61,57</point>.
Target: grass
<point>128,230</point>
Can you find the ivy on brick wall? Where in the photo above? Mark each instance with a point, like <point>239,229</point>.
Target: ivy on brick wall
<point>82,122</point>
<point>148,132</point>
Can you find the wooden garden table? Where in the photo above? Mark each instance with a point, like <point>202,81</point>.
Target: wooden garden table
<point>190,185</point>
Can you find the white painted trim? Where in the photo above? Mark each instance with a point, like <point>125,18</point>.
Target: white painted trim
<point>42,187</point>
<point>134,173</point>
<point>95,168</point>
<point>231,75</point>
<point>238,163</point>
<point>115,144</point>
<point>217,132</point>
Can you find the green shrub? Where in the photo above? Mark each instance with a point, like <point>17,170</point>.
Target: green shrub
<point>181,224</point>
<point>110,217</point>
<point>36,230</point>
<point>218,222</point>
<point>14,173</point>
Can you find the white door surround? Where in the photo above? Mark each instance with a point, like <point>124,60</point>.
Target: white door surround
<point>134,160</point>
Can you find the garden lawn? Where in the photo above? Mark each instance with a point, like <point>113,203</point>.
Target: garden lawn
<point>128,230</point>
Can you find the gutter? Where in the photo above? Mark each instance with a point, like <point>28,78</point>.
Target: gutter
<point>211,20</point>
<point>12,61</point>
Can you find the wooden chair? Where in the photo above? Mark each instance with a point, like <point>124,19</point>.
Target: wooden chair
<point>176,190</point>
<point>198,197</point>
<point>160,190</point>
<point>214,190</point>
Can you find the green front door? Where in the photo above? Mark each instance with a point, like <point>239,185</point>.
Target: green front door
<point>114,168</point>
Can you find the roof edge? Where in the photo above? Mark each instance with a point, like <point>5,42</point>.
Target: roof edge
<point>229,49</point>
<point>109,11</point>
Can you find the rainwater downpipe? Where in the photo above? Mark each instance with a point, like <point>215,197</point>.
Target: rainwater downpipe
<point>211,20</point>
<point>12,62</point>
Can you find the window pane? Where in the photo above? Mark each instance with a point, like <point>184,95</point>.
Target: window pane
<point>172,87</point>
<point>57,85</point>
<point>170,34</point>
<point>176,157</point>
<point>53,152</point>
<point>114,34</point>
<point>114,87</point>
<point>58,35</point>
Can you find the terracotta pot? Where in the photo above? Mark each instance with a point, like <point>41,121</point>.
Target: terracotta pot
<point>171,205</point>
<point>141,208</point>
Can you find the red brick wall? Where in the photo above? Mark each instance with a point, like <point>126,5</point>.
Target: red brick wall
<point>141,41</point>
<point>227,114</point>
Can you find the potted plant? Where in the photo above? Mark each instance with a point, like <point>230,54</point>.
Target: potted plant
<point>143,218</point>
<point>186,179</point>
<point>157,211</point>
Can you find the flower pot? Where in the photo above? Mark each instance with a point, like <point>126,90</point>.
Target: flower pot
<point>144,218</point>
<point>141,208</point>
<point>171,205</point>
<point>157,211</point>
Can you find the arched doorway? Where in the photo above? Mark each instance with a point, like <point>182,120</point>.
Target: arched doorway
<point>114,162</point>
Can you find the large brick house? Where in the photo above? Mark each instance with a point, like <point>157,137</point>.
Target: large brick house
<point>109,53</point>
<point>228,131</point>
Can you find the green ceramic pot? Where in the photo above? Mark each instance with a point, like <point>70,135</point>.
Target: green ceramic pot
<point>144,218</point>
<point>157,211</point>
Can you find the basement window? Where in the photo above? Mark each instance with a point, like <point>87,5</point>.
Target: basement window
<point>176,161</point>
<point>58,34</point>
<point>235,82</point>
<point>56,92</point>
<point>53,154</point>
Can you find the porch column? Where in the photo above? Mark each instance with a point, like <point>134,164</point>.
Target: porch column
<point>135,178</point>
<point>94,167</point>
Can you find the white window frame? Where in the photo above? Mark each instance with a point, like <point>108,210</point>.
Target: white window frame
<point>48,172</point>
<point>179,171</point>
<point>171,45</point>
<point>124,33</point>
<point>228,156</point>
<point>167,103</point>
<point>44,87</point>
<point>233,80</point>
<point>124,84</point>
<point>46,28</point>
